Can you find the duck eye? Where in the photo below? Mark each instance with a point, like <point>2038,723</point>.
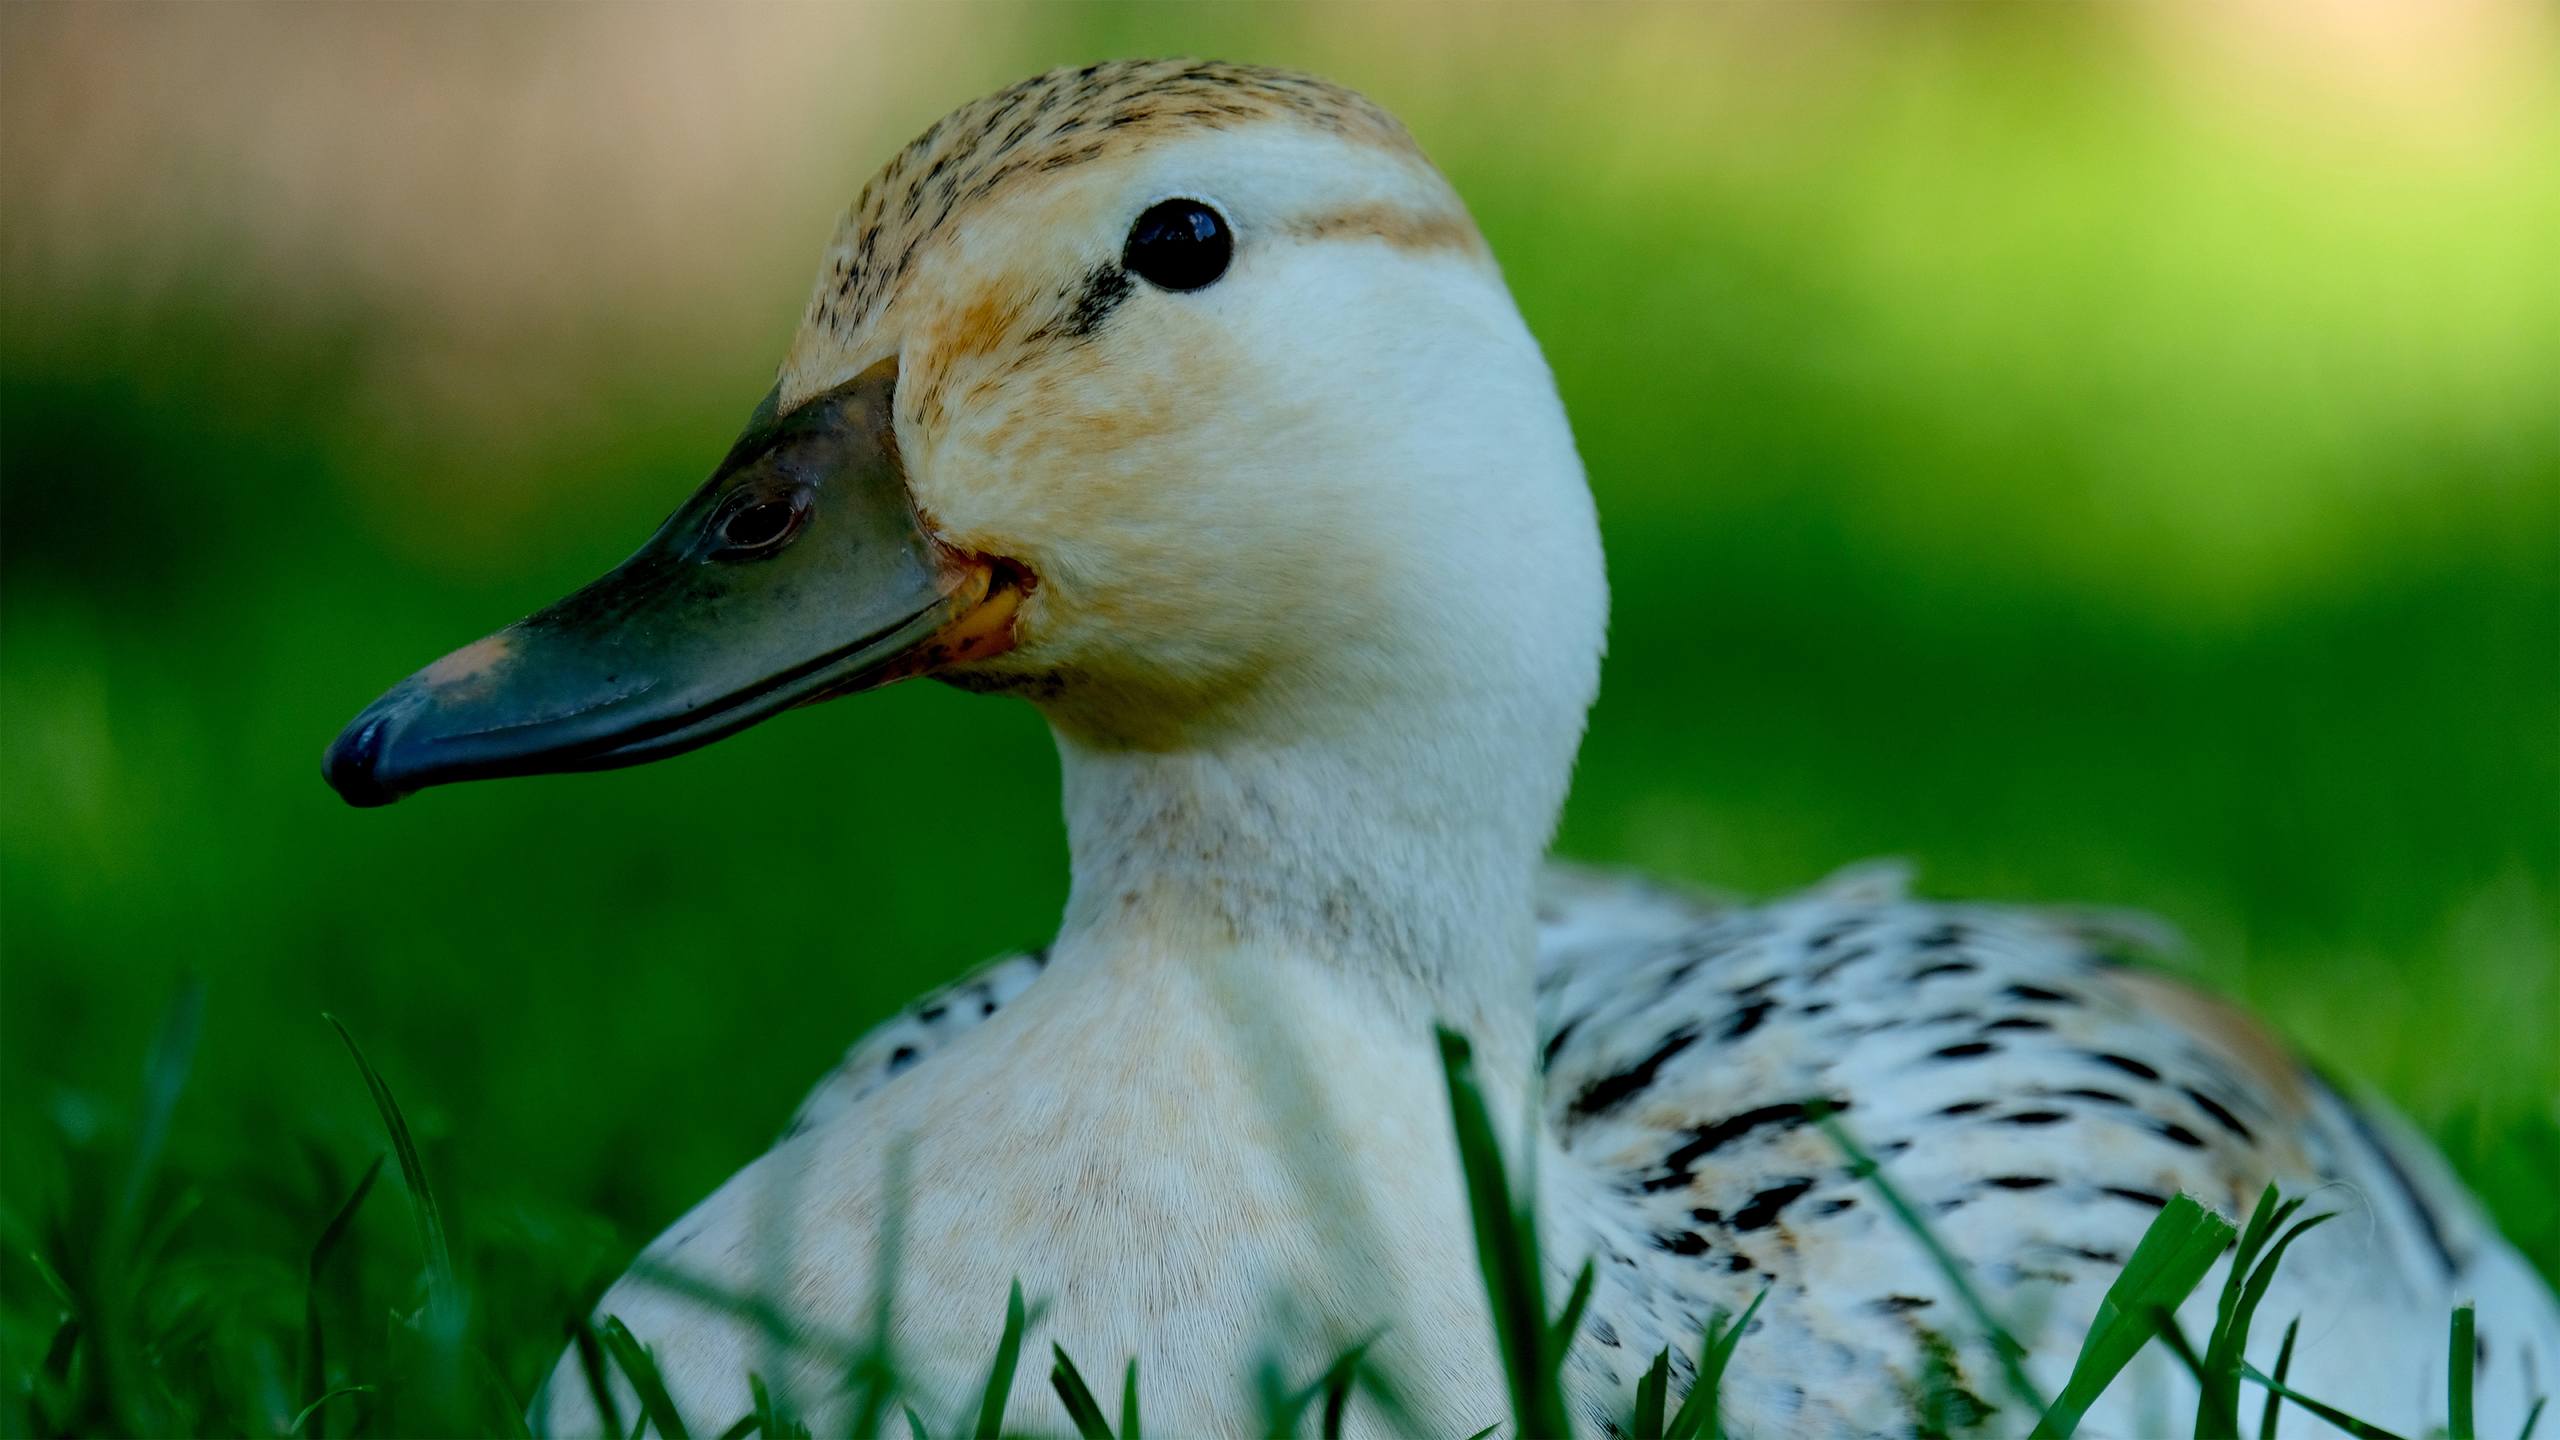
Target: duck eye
<point>755,528</point>
<point>1179,245</point>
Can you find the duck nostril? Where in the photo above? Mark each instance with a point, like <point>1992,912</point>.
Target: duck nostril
<point>752,529</point>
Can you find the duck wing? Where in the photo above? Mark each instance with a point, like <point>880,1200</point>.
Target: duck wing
<point>2036,1095</point>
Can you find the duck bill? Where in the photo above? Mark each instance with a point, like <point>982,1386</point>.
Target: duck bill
<point>799,572</point>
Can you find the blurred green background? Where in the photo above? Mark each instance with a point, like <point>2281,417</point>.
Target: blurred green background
<point>2103,454</point>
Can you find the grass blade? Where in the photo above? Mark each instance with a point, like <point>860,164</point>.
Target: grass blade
<point>1720,1355</point>
<point>2166,1266</point>
<point>1560,1338</point>
<point>2253,1269</point>
<point>164,1076</point>
<point>60,1350</point>
<point>1077,1396</point>
<point>742,1427</point>
<point>656,1406</point>
<point>121,1369</point>
<point>504,1416</point>
<point>772,1417</point>
<point>315,1353</point>
<point>582,1338</point>
<point>443,1292</point>
<point>1651,1391</point>
<point>307,1411</point>
<point>2218,1405</point>
<point>1701,1410</point>
<point>1280,1408</point>
<point>2460,1353</point>
<point>1129,1402</point>
<point>1507,1250</point>
<point>2284,1367</point>
<point>875,1372</point>
<point>1338,1380</point>
<point>2004,1345</point>
<point>2533,1417</point>
<point>1000,1377</point>
<point>915,1424</point>
<point>2361,1429</point>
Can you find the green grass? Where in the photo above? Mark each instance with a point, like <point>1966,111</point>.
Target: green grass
<point>118,1362</point>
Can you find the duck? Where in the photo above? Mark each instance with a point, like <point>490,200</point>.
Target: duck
<point>1186,402</point>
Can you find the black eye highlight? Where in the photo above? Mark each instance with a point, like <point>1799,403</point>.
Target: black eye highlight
<point>1179,245</point>
<point>753,526</point>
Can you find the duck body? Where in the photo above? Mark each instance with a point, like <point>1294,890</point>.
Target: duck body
<point>1184,402</point>
<point>2037,1095</point>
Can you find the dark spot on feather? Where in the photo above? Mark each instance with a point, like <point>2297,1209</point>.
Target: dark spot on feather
<point>2102,1097</point>
<point>2019,1182</point>
<point>1941,937</point>
<point>1611,1091</point>
<point>929,1014</point>
<point>2035,1117</point>
<point>1681,1242</point>
<point>1555,1042</point>
<point>1705,1140</point>
<point>1737,1262</point>
<point>2221,1115</point>
<point>2039,994</point>
<point>901,1058</point>
<point>1831,967</point>
<point>2127,1064</point>
<point>1943,967</point>
<point>2138,1197</point>
<point>1901,1304</point>
<point>1834,1207</point>
<point>2177,1134</point>
<point>1747,1019</point>
<point>1964,1107</point>
<point>1762,1210</point>
<point>2427,1222</point>
<point>2018,1022</point>
<point>1966,1051</point>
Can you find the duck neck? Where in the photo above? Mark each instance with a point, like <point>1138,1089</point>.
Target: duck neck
<point>1395,867</point>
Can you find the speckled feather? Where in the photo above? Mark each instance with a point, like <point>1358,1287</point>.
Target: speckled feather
<point>2033,1091</point>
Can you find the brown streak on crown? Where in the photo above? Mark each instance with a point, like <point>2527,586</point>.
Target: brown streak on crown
<point>1049,123</point>
<point>1397,225</point>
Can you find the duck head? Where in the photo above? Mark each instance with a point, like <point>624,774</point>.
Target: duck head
<point>1184,399</point>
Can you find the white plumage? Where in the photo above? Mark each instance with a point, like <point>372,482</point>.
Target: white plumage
<point>2015,1073</point>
